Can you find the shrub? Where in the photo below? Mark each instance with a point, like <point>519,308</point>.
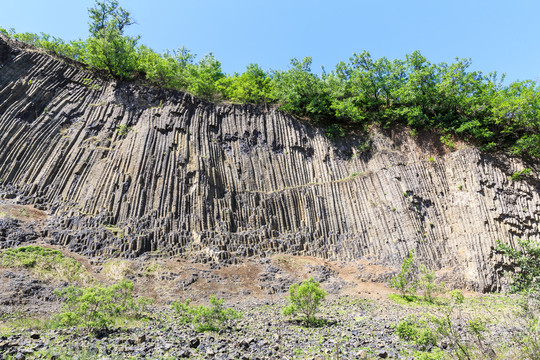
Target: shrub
<point>252,86</point>
<point>427,331</point>
<point>428,285</point>
<point>335,131</point>
<point>205,318</point>
<point>305,300</point>
<point>203,77</point>
<point>526,263</point>
<point>122,130</point>
<point>404,281</point>
<point>520,175</point>
<point>183,310</point>
<point>97,308</point>
<point>301,92</point>
<point>418,331</point>
<point>456,296</point>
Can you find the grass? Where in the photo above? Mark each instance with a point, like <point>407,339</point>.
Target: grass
<point>354,314</point>
<point>415,300</point>
<point>152,269</point>
<point>44,262</point>
<point>11,322</point>
<point>355,174</point>
<point>115,230</point>
<point>117,269</point>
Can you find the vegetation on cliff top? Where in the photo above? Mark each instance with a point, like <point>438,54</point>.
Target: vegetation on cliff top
<point>448,98</point>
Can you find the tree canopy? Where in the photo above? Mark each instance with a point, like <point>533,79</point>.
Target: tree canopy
<point>451,98</point>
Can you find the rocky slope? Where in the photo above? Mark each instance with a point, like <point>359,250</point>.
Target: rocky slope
<point>357,320</point>
<point>124,169</point>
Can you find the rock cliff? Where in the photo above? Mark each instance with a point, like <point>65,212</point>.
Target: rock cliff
<point>124,169</point>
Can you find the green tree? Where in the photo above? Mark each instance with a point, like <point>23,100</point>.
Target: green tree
<point>202,78</point>
<point>301,92</point>
<point>107,13</point>
<point>304,300</point>
<point>170,69</point>
<point>405,280</point>
<point>108,48</point>
<point>252,86</point>
<point>97,308</point>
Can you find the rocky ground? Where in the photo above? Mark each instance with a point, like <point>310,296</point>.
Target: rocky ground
<point>358,317</point>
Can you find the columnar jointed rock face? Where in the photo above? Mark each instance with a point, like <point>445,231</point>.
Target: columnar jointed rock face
<point>126,169</point>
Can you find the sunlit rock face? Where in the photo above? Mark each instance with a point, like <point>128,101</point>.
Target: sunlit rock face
<point>124,170</point>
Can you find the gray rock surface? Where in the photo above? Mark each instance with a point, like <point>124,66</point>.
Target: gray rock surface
<point>125,169</point>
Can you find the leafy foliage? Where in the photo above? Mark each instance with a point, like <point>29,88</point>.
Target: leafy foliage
<point>204,76</point>
<point>417,330</point>
<point>252,86</point>
<point>520,175</point>
<point>526,263</point>
<point>404,281</point>
<point>304,300</point>
<point>123,130</point>
<point>205,318</point>
<point>464,337</point>
<point>108,47</point>
<point>97,308</point>
<point>428,285</point>
<point>449,98</point>
<point>334,131</point>
<point>301,92</point>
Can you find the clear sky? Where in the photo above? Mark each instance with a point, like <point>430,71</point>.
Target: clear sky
<point>502,36</point>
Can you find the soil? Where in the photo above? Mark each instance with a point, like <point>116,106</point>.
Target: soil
<point>358,317</point>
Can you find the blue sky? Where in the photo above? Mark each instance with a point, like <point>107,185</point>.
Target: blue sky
<point>502,36</point>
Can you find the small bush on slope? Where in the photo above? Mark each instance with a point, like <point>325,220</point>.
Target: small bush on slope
<point>97,308</point>
<point>304,300</point>
<point>205,318</point>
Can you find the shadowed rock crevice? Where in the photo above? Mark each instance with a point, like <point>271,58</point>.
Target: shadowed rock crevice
<point>125,169</point>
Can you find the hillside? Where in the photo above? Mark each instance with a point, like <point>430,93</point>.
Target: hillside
<point>123,169</point>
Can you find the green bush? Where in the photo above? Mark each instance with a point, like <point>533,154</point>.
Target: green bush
<point>122,130</point>
<point>205,318</point>
<point>526,262</point>
<point>304,300</point>
<point>456,296</point>
<point>252,86</point>
<point>335,131</point>
<point>301,92</point>
<point>417,330</point>
<point>97,308</point>
<point>520,175</point>
<point>428,285</point>
<point>170,69</point>
<point>405,280</point>
<point>202,78</point>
